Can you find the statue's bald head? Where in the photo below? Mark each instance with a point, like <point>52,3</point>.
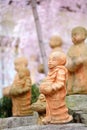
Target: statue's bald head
<point>60,57</point>
<point>55,41</point>
<point>20,62</point>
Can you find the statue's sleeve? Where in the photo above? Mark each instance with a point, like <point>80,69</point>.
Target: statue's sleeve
<point>20,90</point>
<point>26,87</point>
<point>60,79</point>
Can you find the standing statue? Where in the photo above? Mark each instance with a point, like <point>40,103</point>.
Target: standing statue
<point>20,90</point>
<point>54,89</point>
<point>40,106</point>
<point>77,62</point>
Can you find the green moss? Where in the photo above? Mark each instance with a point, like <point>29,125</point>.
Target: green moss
<point>70,103</point>
<point>35,93</point>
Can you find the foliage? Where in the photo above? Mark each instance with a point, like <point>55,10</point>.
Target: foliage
<point>5,107</point>
<point>35,93</point>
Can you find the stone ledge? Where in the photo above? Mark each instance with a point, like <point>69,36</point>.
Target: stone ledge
<point>77,105</point>
<point>77,102</point>
<point>13,122</point>
<point>71,126</point>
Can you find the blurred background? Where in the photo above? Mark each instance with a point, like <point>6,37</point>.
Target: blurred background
<point>18,35</point>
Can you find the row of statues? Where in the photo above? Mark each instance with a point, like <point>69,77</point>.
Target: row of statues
<point>76,60</point>
<point>67,75</point>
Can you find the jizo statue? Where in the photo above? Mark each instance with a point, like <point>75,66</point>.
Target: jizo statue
<point>20,90</point>
<point>77,62</point>
<point>54,89</point>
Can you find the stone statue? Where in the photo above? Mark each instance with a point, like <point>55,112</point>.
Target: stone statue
<point>54,89</point>
<point>77,62</point>
<point>40,107</point>
<point>56,43</point>
<point>41,68</point>
<point>20,90</point>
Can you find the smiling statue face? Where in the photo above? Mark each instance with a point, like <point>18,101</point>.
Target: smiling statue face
<point>78,38</point>
<point>56,59</point>
<point>20,62</point>
<point>79,34</point>
<point>52,62</point>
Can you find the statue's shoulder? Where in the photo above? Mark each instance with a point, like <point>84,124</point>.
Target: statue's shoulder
<point>71,50</point>
<point>62,70</point>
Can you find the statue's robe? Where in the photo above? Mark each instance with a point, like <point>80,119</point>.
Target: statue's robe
<point>21,100</point>
<point>77,66</point>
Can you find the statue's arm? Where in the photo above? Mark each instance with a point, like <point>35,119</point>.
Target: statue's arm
<point>45,87</point>
<point>60,80</point>
<point>16,90</point>
<point>74,63</point>
<point>27,86</point>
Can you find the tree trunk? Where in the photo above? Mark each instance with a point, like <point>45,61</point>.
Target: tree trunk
<point>2,61</point>
<point>39,34</point>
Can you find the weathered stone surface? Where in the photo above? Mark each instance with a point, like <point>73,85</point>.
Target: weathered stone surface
<point>13,122</point>
<point>71,126</point>
<point>78,107</point>
<point>84,118</point>
<point>77,102</point>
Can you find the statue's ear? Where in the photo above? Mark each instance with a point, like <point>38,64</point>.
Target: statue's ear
<point>83,37</point>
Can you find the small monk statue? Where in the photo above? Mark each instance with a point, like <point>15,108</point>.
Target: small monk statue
<point>77,62</point>
<point>41,68</point>
<point>54,89</point>
<point>20,90</point>
<point>40,107</point>
<point>56,43</point>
